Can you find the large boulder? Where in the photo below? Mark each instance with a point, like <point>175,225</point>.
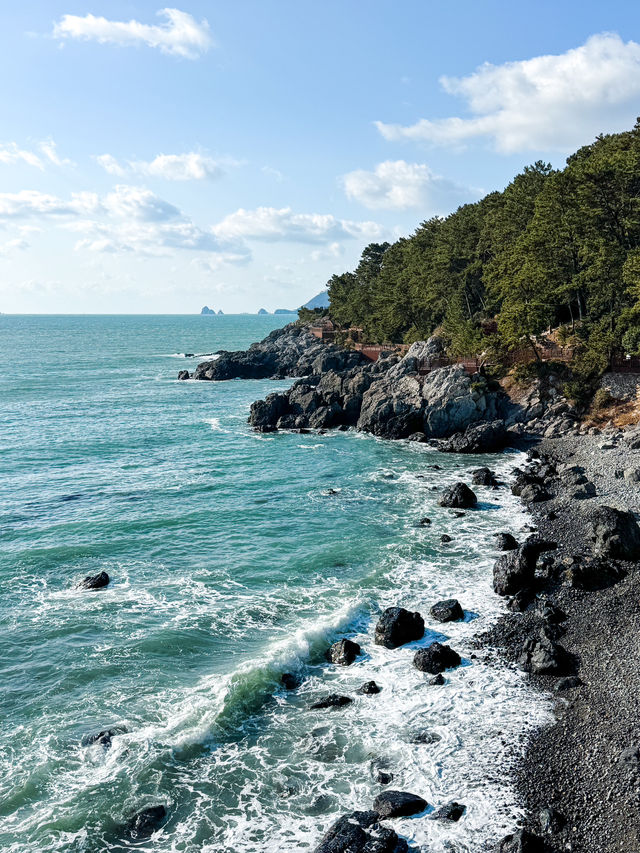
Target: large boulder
<point>521,841</point>
<point>615,534</point>
<point>360,832</point>
<point>398,804</point>
<point>458,496</point>
<point>453,400</point>
<point>515,570</point>
<point>436,658</point>
<point>398,626</point>
<point>392,407</point>
<point>542,655</point>
<point>98,581</point>
<point>478,438</point>
<point>448,610</point>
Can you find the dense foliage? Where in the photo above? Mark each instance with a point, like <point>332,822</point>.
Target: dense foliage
<point>556,248</point>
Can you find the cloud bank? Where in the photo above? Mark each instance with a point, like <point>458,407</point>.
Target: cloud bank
<point>398,185</point>
<point>548,102</point>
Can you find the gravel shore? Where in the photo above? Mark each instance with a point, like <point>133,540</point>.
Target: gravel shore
<point>585,767</point>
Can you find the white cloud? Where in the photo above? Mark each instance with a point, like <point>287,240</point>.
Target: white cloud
<point>181,35</point>
<point>33,203</point>
<point>547,102</point>
<point>191,166</point>
<point>271,224</point>
<point>111,165</point>
<point>398,185</point>
<point>139,204</point>
<point>11,153</point>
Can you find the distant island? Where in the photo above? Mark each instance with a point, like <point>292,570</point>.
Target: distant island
<point>284,311</point>
<point>263,311</point>
<point>207,310</point>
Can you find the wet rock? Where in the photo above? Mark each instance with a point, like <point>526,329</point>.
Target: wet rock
<point>333,700</point>
<point>383,777</point>
<point>437,680</point>
<point>183,374</point>
<point>146,822</point>
<point>343,653</point>
<point>445,538</point>
<point>451,812</point>
<point>360,832</point>
<point>551,821</point>
<point>483,477</point>
<point>95,581</point>
<point>436,658</point>
<point>419,437</point>
<point>521,841</point>
<point>369,688</point>
<point>290,681</point>
<point>424,522</point>
<point>534,493</point>
<point>478,438</point>
<point>398,804</point>
<point>506,542</point>
<point>447,611</point>
<point>398,626</point>
<point>615,533</point>
<point>102,738</point>
<point>425,737</point>
<point>458,496</point>
<point>265,414</point>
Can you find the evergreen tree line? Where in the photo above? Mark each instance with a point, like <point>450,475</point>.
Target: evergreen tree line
<point>556,248</point>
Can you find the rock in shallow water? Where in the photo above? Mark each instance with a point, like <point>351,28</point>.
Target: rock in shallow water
<point>369,688</point>
<point>398,626</point>
<point>436,658</point>
<point>146,822</point>
<point>95,581</point>
<point>398,804</point>
<point>343,653</point>
<point>506,542</point>
<point>458,496</point>
<point>449,610</point>
<point>451,812</point>
<point>333,700</point>
<point>360,832</point>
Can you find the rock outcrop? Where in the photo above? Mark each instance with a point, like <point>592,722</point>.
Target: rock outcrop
<point>615,534</point>
<point>398,626</point>
<point>398,804</point>
<point>436,658</point>
<point>360,832</point>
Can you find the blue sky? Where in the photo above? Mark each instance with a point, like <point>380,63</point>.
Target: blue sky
<point>237,154</point>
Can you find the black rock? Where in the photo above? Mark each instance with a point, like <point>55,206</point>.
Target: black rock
<point>398,804</point>
<point>383,777</point>
<point>145,823</point>
<point>551,613</point>
<point>506,542</point>
<point>183,374</point>
<point>94,581</point>
<point>521,841</point>
<point>344,652</point>
<point>615,534</point>
<point>515,570</point>
<point>102,738</point>
<point>451,811</point>
<point>420,437</point>
<point>398,626</point>
<point>436,658</point>
<point>542,655</point>
<point>369,688</point>
<point>519,602</point>
<point>445,538</point>
<point>458,496</point>
<point>534,493</point>
<point>477,438</point>
<point>447,611</point>
<point>425,737</point>
<point>290,681</point>
<point>424,522</point>
<point>437,680</point>
<point>483,477</point>
<point>333,700</point>
<point>360,832</point>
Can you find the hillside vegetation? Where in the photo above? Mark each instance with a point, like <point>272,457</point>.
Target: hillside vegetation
<point>556,248</point>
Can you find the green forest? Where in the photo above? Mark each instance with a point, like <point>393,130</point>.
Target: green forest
<point>556,249</point>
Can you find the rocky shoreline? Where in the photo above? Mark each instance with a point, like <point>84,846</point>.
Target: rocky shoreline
<point>572,587</point>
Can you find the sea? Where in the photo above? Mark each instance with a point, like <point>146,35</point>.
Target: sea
<point>234,557</point>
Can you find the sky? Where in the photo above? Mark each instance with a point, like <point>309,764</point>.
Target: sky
<point>237,154</point>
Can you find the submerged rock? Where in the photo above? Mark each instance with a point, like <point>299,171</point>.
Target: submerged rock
<point>343,653</point>
<point>449,610</point>
<point>398,804</point>
<point>458,496</point>
<point>102,738</point>
<point>290,681</point>
<point>360,832</point>
<point>436,658</point>
<point>398,626</point>
<point>451,812</point>
<point>333,700</point>
<point>369,688</point>
<point>95,581</point>
<point>146,822</point>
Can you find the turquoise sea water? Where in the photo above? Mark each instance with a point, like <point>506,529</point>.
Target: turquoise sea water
<point>234,557</point>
